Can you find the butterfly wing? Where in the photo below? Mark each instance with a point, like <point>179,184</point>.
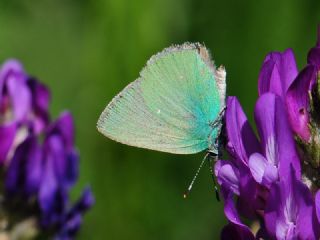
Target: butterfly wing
<point>171,106</point>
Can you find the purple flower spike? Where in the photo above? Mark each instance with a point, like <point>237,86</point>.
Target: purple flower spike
<point>38,160</point>
<point>297,100</point>
<point>279,150</point>
<point>277,73</point>
<point>289,213</point>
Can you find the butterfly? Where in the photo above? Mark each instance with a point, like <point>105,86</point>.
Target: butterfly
<point>175,106</point>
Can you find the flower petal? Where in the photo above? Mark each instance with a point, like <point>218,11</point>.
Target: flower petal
<point>242,141</point>
<point>33,168</point>
<point>314,53</point>
<point>263,172</point>
<point>314,57</point>
<point>317,204</point>
<point>234,232</point>
<point>7,136</point>
<point>40,104</point>
<point>85,202</point>
<point>53,198</point>
<point>297,100</point>
<point>276,136</point>
<point>63,127</point>
<point>24,171</point>
<point>270,175</point>
<point>13,81</point>
<point>232,215</point>
<point>227,176</point>
<point>20,96</point>
<point>10,67</point>
<point>277,73</point>
<point>257,164</point>
<point>69,228</point>
<point>65,163</point>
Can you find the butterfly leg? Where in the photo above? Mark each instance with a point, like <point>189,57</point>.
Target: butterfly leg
<point>219,118</point>
<point>212,159</point>
<point>219,140</point>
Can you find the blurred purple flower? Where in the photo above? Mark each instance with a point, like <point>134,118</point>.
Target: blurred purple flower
<point>41,162</point>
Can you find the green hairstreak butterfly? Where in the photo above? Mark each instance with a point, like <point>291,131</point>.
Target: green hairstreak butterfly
<point>175,106</point>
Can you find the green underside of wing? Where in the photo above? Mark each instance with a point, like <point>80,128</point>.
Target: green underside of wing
<point>169,108</point>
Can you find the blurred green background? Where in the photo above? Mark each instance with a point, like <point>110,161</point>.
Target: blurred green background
<point>87,51</point>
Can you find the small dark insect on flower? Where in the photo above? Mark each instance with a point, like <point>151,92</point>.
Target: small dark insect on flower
<point>275,178</point>
<point>38,162</point>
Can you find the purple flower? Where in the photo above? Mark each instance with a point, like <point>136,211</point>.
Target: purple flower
<point>283,192</point>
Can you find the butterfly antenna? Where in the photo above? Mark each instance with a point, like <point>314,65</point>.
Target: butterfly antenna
<point>186,193</point>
